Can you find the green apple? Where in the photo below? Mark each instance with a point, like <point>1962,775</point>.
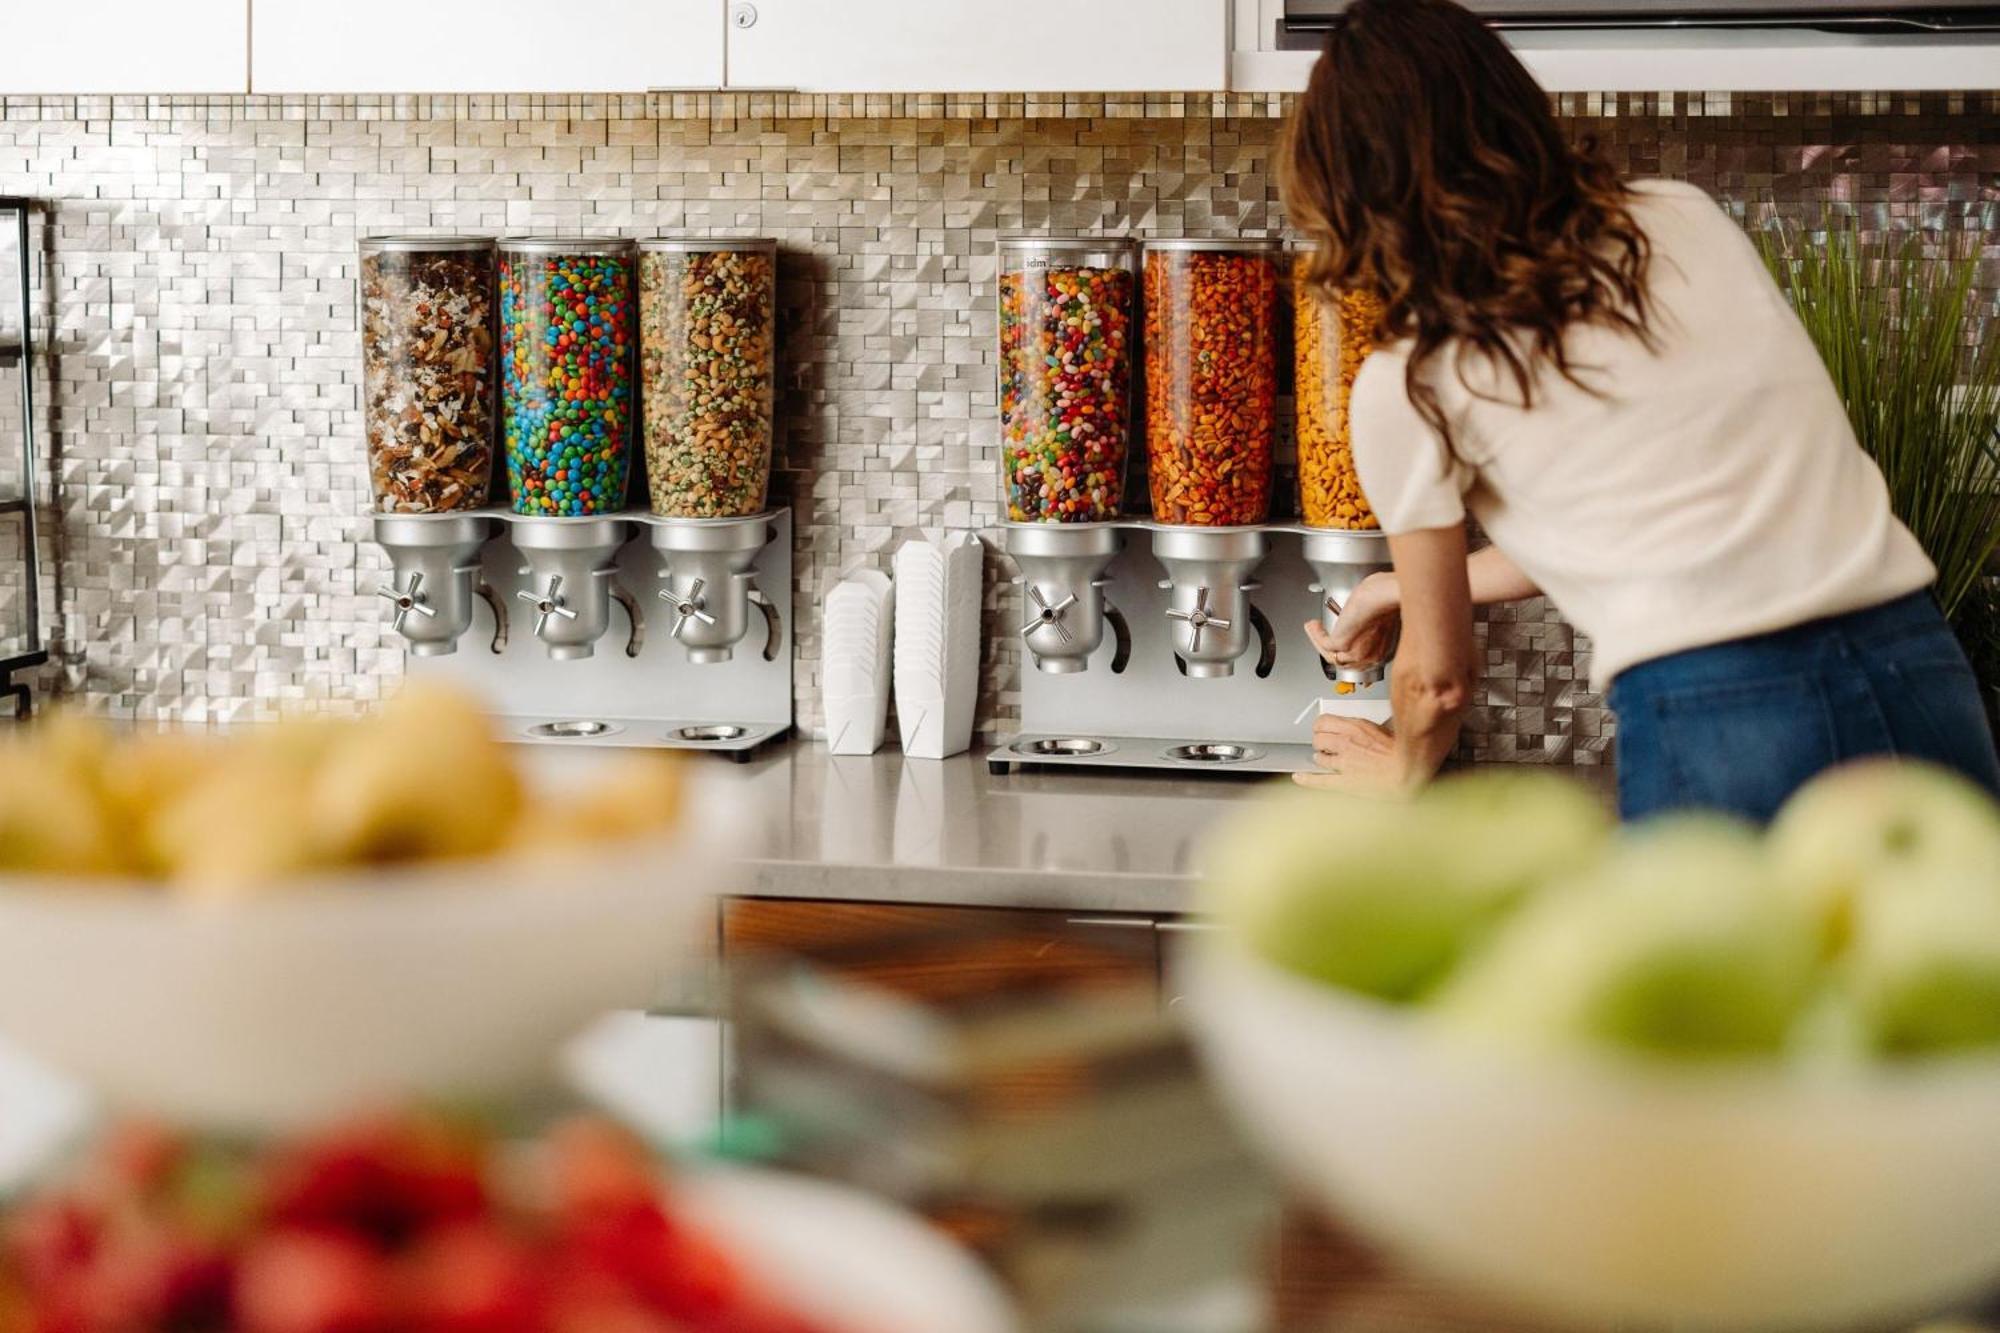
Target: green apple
<point>1879,820</point>
<point>1353,892</point>
<point>1924,962</point>
<point>1674,944</point>
<point>1509,833</point>
<point>1383,898</point>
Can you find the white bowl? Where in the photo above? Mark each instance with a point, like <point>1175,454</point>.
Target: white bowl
<point>1602,1192</point>
<point>273,1011</point>
<point>845,1259</point>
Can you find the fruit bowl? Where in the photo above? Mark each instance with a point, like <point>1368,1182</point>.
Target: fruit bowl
<point>1605,1190</point>
<point>273,1009</point>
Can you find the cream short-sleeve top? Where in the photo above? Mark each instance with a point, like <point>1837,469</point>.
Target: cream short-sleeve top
<point>1712,489</point>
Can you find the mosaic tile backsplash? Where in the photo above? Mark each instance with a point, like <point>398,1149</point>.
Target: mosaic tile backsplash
<point>207,534</point>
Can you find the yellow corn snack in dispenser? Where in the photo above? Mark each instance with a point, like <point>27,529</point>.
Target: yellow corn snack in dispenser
<point>1329,490</point>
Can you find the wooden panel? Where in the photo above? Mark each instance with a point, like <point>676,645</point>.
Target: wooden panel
<point>453,46</point>
<point>125,46</point>
<point>943,46</point>
<point>979,949</point>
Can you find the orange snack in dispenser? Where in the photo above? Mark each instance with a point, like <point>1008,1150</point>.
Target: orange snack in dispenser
<point>1211,379</point>
<point>1329,489</point>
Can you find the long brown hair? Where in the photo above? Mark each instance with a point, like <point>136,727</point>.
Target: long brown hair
<point>1427,167</point>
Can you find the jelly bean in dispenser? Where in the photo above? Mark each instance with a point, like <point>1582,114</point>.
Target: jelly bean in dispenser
<point>1332,340</point>
<point>1211,380</point>
<point>1065,377</point>
<point>566,348</point>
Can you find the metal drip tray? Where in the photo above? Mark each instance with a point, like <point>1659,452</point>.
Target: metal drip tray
<point>1061,747</point>
<point>714,734</point>
<point>1211,752</point>
<point>578,729</point>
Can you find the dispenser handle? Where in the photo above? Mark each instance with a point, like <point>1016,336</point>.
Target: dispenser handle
<point>1121,637</point>
<point>690,605</point>
<point>1197,619</point>
<point>637,641</point>
<point>774,631</point>
<point>486,593</point>
<point>407,600</point>
<point>1267,638</point>
<point>547,603</point>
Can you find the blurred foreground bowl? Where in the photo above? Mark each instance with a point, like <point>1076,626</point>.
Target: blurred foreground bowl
<point>271,1011</point>
<point>1598,1191</point>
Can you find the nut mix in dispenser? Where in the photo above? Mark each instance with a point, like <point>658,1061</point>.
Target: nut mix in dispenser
<point>1065,376</point>
<point>1329,488</point>
<point>707,311</point>
<point>427,371</point>
<point>566,342</point>
<point>1211,379</point>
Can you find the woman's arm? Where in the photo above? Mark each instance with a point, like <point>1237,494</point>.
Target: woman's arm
<point>1362,635</point>
<point>1431,685</point>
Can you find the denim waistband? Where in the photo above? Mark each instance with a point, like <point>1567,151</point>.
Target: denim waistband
<point>1849,633</point>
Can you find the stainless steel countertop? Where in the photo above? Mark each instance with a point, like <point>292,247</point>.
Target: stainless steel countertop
<point>888,829</point>
<point>883,828</point>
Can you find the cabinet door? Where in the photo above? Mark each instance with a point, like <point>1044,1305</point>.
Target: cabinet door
<point>125,46</point>
<point>944,46</point>
<point>485,46</point>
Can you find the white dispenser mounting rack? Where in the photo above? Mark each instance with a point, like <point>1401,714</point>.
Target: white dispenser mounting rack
<point>1205,666</point>
<point>623,629</point>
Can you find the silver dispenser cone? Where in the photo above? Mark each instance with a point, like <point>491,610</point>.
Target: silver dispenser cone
<point>1340,561</point>
<point>1208,585</point>
<point>570,575</point>
<point>707,583</point>
<point>1063,609</point>
<point>434,580</point>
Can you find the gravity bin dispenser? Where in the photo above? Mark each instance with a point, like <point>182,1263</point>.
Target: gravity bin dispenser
<point>1152,646</point>
<point>509,426</point>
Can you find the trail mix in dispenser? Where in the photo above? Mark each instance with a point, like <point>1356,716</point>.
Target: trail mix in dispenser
<point>1329,488</point>
<point>705,345</point>
<point>566,349</point>
<point>1065,391</point>
<point>1211,384</point>
<point>427,377</point>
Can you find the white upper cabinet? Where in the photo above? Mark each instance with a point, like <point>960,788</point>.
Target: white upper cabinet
<point>124,46</point>
<point>945,46</point>
<point>485,46</point>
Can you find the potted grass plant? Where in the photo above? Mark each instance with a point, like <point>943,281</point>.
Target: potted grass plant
<point>1913,343</point>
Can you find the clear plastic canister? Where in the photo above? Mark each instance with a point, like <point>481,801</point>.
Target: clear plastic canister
<point>707,316</point>
<point>427,371</point>
<point>1211,378</point>
<point>1066,334</point>
<point>1330,339</point>
<point>566,352</point>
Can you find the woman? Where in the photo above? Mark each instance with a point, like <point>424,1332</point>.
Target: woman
<point>1604,375</point>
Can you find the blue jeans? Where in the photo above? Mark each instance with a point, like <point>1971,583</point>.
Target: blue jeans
<point>1739,726</point>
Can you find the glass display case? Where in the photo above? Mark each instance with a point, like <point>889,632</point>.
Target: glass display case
<point>427,361</point>
<point>1066,331</point>
<point>707,356</point>
<point>1211,378</point>
<point>21,643</point>
<point>567,342</point>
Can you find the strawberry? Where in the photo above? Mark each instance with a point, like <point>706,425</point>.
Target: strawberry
<point>295,1281</point>
<point>472,1278</point>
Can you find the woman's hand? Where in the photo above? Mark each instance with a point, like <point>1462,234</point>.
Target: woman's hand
<point>1365,630</point>
<point>1358,757</point>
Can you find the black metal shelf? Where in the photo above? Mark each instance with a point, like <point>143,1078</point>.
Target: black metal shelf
<point>17,353</point>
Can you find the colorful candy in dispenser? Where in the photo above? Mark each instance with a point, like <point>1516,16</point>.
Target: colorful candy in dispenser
<point>1211,379</point>
<point>1331,342</point>
<point>566,343</point>
<point>1065,376</point>
<point>706,338</point>
<point>427,371</point>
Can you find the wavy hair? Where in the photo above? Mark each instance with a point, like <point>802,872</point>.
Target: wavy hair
<point>1428,169</point>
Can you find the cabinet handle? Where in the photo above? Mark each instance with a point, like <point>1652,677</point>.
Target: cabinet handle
<point>1188,924</point>
<point>743,14</point>
<point>1126,922</point>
